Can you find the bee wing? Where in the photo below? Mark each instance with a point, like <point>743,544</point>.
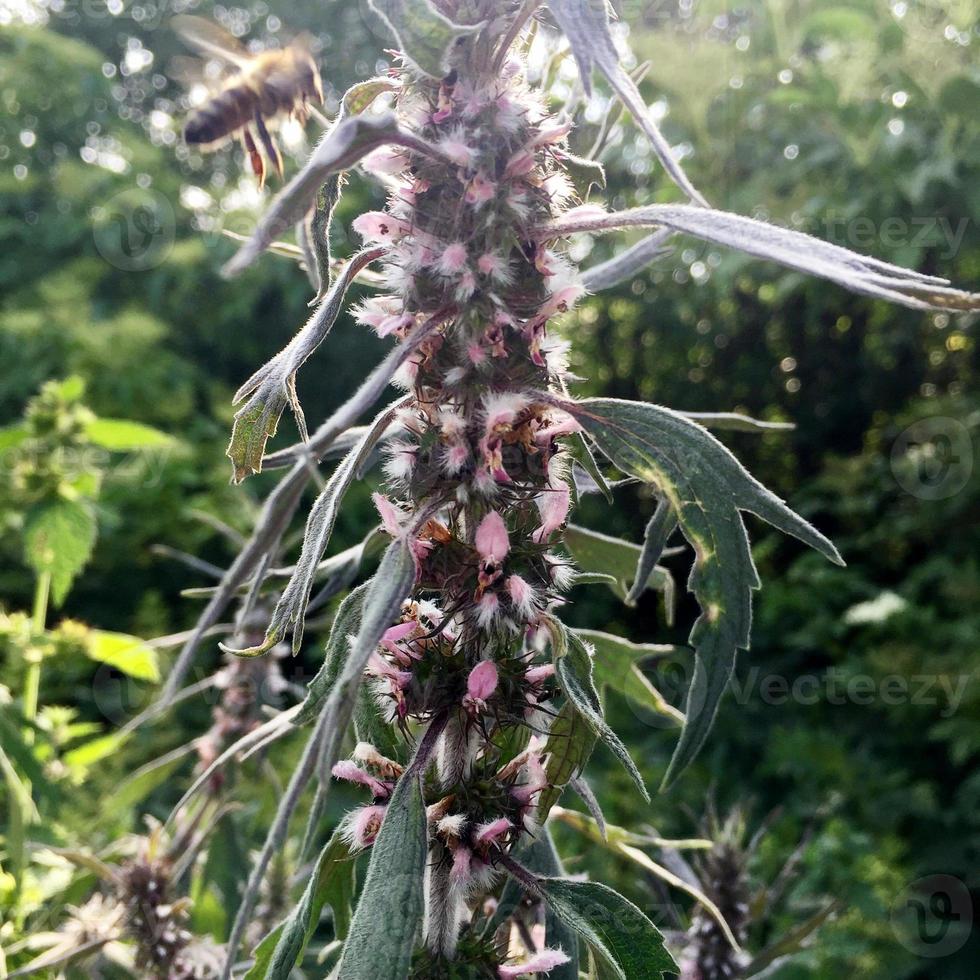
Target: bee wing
<point>210,39</point>
<point>190,71</point>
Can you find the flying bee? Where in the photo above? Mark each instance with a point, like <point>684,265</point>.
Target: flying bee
<point>263,87</point>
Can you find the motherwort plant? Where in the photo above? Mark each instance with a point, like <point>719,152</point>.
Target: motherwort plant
<point>451,693</point>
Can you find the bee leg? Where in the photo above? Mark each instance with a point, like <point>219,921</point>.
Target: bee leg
<point>269,144</point>
<point>255,158</point>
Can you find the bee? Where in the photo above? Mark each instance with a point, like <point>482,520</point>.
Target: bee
<point>263,87</point>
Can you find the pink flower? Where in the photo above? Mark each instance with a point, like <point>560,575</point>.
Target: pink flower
<point>562,300</point>
<point>457,151</point>
<point>462,858</point>
<point>544,961</point>
<point>488,833</point>
<point>352,773</point>
<point>553,506</point>
<point>502,409</point>
<point>538,675</point>
<point>456,457</point>
<point>494,266</point>
<point>480,190</point>
<point>554,132</point>
<point>537,779</point>
<point>522,595</point>
<point>395,323</point>
<point>453,259</point>
<point>377,666</point>
<point>391,516</point>
<point>487,609</point>
<point>562,425</point>
<point>385,161</point>
<point>376,309</point>
<point>360,827</point>
<point>377,226</point>
<point>492,540</point>
<point>520,164</point>
<point>480,685</point>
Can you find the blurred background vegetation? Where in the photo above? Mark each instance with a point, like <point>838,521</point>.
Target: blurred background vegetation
<point>854,122</point>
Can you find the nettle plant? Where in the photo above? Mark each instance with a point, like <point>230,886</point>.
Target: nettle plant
<point>470,706</point>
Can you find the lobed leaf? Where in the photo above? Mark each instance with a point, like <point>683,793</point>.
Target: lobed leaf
<point>735,422</point>
<point>706,488</point>
<point>573,669</point>
<point>624,266</point>
<point>346,624</point>
<point>425,35</point>
<point>290,611</point>
<point>628,943</point>
<point>586,25</point>
<point>273,385</point>
<point>604,555</point>
<point>790,248</point>
<point>616,666</point>
<point>622,842</point>
<point>567,750</point>
<point>317,231</point>
<point>659,528</point>
<point>331,883</point>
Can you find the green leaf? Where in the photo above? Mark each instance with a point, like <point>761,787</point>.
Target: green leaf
<point>87,754</point>
<point>605,555</point>
<point>290,611</point>
<point>573,668</point>
<point>582,454</point>
<point>24,755</point>
<point>568,748</point>
<point>137,787</point>
<point>425,36</point>
<point>346,624</point>
<point>628,943</point>
<point>332,883</point>
<point>659,528</point>
<point>12,436</point>
<point>120,435</point>
<point>128,654</point>
<point>706,488</point>
<point>389,913</point>
<point>616,665</point>
<point>359,96</point>
<point>58,540</point>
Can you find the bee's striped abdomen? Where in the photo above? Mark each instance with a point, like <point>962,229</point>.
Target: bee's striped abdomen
<point>223,116</point>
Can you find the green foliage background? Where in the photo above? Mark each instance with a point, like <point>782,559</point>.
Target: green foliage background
<point>853,122</point>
